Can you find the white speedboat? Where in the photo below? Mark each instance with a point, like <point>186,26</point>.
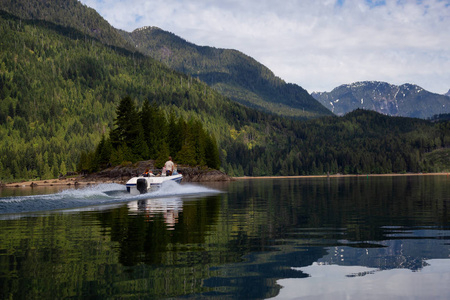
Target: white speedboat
<point>142,185</point>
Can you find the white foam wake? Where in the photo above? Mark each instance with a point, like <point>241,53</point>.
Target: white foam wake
<point>95,195</point>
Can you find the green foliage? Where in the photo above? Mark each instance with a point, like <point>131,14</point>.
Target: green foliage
<point>437,160</point>
<point>231,72</point>
<point>60,96</point>
<point>212,152</point>
<point>128,142</point>
<point>70,14</point>
<point>361,142</point>
<point>163,154</point>
<point>126,130</point>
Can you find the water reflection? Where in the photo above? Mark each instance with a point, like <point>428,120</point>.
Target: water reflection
<point>315,238</point>
<point>356,282</point>
<point>379,224</point>
<point>151,231</point>
<point>170,208</point>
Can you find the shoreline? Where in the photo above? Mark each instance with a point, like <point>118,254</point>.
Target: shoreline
<point>69,182</point>
<point>341,176</point>
<point>79,181</point>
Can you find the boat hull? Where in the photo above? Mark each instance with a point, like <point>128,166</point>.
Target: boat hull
<point>142,185</point>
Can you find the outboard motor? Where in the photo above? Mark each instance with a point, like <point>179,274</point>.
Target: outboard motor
<point>141,185</point>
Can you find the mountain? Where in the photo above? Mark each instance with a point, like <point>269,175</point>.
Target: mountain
<point>68,13</point>
<point>447,94</point>
<point>230,72</point>
<point>60,90</point>
<point>406,100</point>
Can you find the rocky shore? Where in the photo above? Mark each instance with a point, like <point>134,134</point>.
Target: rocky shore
<point>122,173</point>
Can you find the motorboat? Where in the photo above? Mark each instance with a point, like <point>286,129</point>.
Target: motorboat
<point>141,184</point>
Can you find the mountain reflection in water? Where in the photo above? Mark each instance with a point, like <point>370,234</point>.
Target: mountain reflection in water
<point>332,282</point>
<point>346,238</point>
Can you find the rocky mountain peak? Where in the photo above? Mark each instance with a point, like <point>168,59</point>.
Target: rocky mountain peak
<point>146,28</point>
<point>408,100</point>
<point>448,93</point>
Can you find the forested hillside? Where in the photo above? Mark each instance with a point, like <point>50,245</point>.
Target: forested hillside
<point>231,72</point>
<point>361,142</point>
<point>67,13</point>
<point>60,90</point>
<point>144,133</point>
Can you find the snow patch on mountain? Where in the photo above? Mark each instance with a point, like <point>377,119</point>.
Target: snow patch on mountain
<point>447,94</point>
<point>406,100</point>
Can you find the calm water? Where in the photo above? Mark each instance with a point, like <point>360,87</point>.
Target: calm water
<point>338,238</point>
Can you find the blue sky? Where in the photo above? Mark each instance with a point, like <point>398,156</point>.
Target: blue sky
<point>318,45</point>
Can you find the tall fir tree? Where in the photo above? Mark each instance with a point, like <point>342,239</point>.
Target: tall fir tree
<point>198,137</point>
<point>187,153</point>
<point>147,134</point>
<point>126,123</point>
<point>140,147</point>
<point>174,135</point>
<point>212,157</point>
<point>163,155</point>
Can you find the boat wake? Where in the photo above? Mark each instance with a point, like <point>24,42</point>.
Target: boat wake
<point>91,198</point>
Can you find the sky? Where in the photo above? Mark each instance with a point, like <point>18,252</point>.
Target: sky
<point>317,44</point>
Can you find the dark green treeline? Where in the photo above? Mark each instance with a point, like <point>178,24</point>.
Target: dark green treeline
<point>361,142</point>
<point>59,95</point>
<point>59,90</point>
<point>147,134</point>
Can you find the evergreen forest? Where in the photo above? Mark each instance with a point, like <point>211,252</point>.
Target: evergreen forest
<point>146,133</point>
<point>231,72</point>
<point>63,95</point>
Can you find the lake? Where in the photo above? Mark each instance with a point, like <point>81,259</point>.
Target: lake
<point>300,238</point>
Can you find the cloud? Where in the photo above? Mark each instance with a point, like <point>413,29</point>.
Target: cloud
<point>316,44</point>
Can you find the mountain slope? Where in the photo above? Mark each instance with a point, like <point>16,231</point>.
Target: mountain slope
<point>231,72</point>
<point>59,90</point>
<point>58,96</point>
<point>406,100</point>
<point>68,13</point>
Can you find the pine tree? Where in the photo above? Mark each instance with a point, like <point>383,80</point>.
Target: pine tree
<point>198,138</point>
<point>154,126</point>
<point>102,154</point>
<point>47,172</point>
<point>174,134</point>
<point>140,147</point>
<point>126,123</point>
<point>187,153</point>
<point>146,116</point>
<point>212,152</point>
<point>63,168</point>
<point>123,153</point>
<point>159,125</point>
<point>163,155</point>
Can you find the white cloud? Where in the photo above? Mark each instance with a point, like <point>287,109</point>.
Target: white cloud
<point>316,44</point>
<point>332,282</point>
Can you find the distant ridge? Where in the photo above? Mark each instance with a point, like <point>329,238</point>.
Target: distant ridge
<point>406,100</point>
<point>69,13</point>
<point>60,87</point>
<point>231,72</point>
